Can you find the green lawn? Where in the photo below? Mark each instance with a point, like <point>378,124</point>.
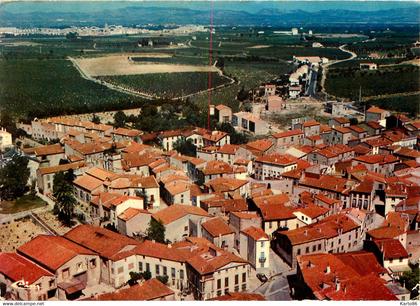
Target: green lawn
<point>23,203</point>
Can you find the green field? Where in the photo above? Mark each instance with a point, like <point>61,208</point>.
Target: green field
<point>23,203</point>
<point>167,85</point>
<point>38,88</point>
<point>406,104</point>
<point>396,79</point>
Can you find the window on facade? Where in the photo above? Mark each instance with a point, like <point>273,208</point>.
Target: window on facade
<point>66,273</point>
<point>236,288</point>
<point>236,279</point>
<point>298,252</point>
<point>147,267</point>
<point>92,263</point>
<point>314,248</point>
<point>244,277</point>
<point>339,241</point>
<point>319,247</point>
<point>120,270</point>
<point>219,292</point>
<point>51,283</point>
<point>140,266</point>
<point>157,269</point>
<point>181,274</point>
<point>219,284</point>
<point>243,287</point>
<point>173,272</point>
<point>131,266</point>
<point>226,281</point>
<point>307,249</point>
<point>165,271</point>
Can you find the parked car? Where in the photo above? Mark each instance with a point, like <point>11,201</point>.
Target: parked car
<point>262,277</point>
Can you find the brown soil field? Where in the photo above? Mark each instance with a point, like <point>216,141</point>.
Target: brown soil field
<point>121,65</point>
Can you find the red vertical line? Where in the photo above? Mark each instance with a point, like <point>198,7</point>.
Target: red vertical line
<point>210,64</point>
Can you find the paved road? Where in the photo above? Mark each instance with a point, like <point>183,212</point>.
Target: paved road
<point>311,88</point>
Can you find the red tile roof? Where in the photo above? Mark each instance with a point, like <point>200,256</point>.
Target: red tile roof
<point>175,212</point>
<point>391,249</point>
<point>288,133</point>
<point>52,251</point>
<point>358,280</point>
<point>377,159</point>
<point>277,159</point>
<point>130,213</point>
<point>149,290</point>
<point>49,150</point>
<point>240,296</point>
<point>255,233</point>
<point>217,226</point>
<point>106,243</point>
<point>16,267</point>
<point>324,229</point>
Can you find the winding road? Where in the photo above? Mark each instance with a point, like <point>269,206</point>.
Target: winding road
<point>326,66</point>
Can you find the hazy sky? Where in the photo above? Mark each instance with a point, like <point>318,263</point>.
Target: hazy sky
<point>249,6</point>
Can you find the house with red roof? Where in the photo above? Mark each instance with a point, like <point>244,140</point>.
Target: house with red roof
<point>351,276</point>
<point>133,222</point>
<point>149,290</point>
<point>213,271</point>
<point>383,164</point>
<point>218,232</point>
<point>74,267</point>
<point>26,280</point>
<point>254,246</point>
<point>283,140</point>
<point>337,233</point>
<point>223,113</point>
<point>392,255</point>
<point>180,220</point>
<point>271,166</point>
<point>375,113</point>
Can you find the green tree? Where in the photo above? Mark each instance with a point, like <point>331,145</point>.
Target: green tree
<point>96,119</point>
<point>120,119</point>
<point>65,200</point>
<point>147,275</point>
<point>14,177</point>
<point>185,147</point>
<point>162,278</point>
<point>410,279</point>
<point>156,231</point>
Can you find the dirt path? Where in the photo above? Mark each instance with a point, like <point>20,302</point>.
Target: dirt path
<point>398,94</point>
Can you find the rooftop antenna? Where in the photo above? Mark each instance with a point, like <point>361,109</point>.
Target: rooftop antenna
<point>210,64</point>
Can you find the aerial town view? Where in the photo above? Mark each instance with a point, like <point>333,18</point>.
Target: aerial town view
<point>209,151</point>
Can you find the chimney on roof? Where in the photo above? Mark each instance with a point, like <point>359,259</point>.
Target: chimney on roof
<point>169,246</point>
<point>305,232</point>
<point>310,265</point>
<point>337,284</point>
<point>328,269</point>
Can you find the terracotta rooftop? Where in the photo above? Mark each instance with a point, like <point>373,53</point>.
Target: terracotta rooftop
<point>288,133</point>
<point>357,273</point>
<point>224,184</point>
<point>127,132</point>
<point>239,296</point>
<point>324,229</point>
<point>217,226</point>
<point>377,159</point>
<point>313,211</point>
<point>149,290</point>
<point>106,243</point>
<point>60,251</point>
<point>375,110</point>
<point>130,213</point>
<point>277,159</point>
<point>49,150</point>
<point>217,167</point>
<point>64,167</point>
<point>261,145</point>
<point>176,211</point>
<point>391,249</point>
<point>16,267</point>
<point>255,233</point>
<point>88,182</point>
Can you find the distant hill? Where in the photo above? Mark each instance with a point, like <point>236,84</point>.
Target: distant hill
<point>141,13</point>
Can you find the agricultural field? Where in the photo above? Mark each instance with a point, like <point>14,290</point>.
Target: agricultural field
<point>407,104</point>
<point>388,80</point>
<point>36,88</point>
<point>167,85</point>
<point>394,87</point>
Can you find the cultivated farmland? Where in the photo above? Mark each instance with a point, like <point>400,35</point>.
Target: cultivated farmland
<point>167,85</point>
